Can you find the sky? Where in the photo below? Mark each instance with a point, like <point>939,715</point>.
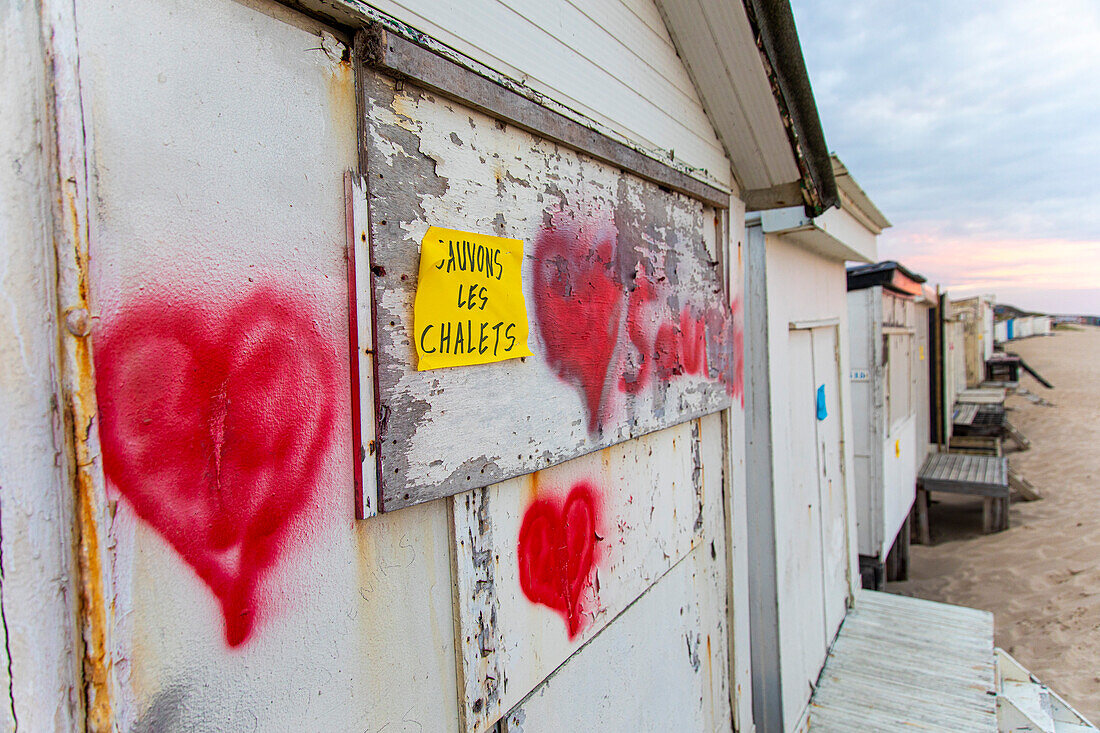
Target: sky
<point>974,126</point>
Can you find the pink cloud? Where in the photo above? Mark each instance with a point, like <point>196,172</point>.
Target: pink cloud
<point>976,262</point>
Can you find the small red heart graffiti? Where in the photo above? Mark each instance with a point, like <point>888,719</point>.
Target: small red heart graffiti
<point>557,550</point>
<point>214,424</point>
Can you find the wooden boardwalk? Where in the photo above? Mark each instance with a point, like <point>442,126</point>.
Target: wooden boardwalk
<point>903,663</point>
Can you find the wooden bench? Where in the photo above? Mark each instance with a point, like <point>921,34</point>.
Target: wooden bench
<point>960,473</point>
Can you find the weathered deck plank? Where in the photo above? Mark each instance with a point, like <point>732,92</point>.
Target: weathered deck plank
<point>905,663</point>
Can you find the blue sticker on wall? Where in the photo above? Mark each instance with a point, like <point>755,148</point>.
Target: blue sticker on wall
<point>822,413</point>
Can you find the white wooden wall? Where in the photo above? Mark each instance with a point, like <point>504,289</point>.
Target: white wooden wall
<point>217,137</point>
<point>922,382</point>
<point>813,484</point>
<point>886,444</point>
<point>611,60</point>
<point>37,591</point>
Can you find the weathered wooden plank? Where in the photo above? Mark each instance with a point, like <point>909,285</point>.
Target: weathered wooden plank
<point>965,412</point>
<point>630,327</point>
<point>907,663</point>
<point>982,396</point>
<point>361,332</point>
<point>965,474</point>
<point>664,630</point>
<point>545,561</point>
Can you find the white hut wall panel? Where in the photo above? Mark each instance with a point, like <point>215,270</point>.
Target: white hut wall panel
<point>1000,332</point>
<point>630,325</point>
<point>664,575</point>
<point>899,443</point>
<point>922,382</point>
<point>955,338</point>
<point>868,405</point>
<point>611,60</point>
<point>218,266</point>
<point>808,326</point>
<point>987,328</point>
<point>885,412</point>
<point>37,667</point>
<point>218,137</point>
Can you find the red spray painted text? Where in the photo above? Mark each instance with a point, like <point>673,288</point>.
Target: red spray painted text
<point>580,300</point>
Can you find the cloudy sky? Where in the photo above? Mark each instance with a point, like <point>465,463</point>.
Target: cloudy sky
<point>975,127</point>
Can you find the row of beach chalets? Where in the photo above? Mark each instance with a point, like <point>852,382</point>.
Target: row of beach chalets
<point>641,456</point>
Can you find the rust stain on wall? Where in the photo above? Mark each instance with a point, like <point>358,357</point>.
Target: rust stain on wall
<point>80,419</point>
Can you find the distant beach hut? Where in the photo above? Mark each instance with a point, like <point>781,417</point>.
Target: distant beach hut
<point>885,370</point>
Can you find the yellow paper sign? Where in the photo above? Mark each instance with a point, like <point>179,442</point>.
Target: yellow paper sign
<point>469,305</point>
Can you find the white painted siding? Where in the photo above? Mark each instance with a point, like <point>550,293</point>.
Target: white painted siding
<point>37,592</point>
<point>221,136</point>
<point>885,422</point>
<point>610,60</point>
<point>813,487</point>
<point>218,135</point>
<point>922,382</point>
<point>867,415</point>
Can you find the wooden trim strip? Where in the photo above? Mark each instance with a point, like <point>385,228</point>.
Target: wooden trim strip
<point>406,60</point>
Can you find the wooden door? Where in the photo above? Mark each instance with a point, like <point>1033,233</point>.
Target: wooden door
<point>811,515</point>
<point>800,560</point>
<point>830,478</point>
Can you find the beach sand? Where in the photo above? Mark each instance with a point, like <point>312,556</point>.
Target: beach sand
<point>1041,578</point>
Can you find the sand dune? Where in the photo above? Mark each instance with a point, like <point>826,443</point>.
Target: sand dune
<point>1041,578</point>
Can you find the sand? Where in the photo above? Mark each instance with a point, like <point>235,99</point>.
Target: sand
<point>1041,578</point>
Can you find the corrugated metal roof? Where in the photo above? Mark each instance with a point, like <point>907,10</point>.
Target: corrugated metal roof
<point>903,663</point>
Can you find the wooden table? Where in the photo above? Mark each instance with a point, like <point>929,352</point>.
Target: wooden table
<point>961,473</point>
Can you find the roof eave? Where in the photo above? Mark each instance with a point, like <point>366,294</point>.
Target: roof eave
<point>777,40</point>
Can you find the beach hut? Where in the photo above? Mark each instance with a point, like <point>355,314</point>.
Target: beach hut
<point>976,315</point>
<point>801,475</point>
<point>1000,332</point>
<point>885,369</point>
<point>377,366</point>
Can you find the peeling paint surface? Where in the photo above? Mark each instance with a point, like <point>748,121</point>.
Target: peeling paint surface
<point>596,240</point>
<point>219,312</point>
<point>521,580</point>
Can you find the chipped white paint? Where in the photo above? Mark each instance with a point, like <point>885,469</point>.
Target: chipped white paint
<point>472,174</point>
<point>235,172</point>
<point>39,668</point>
<point>364,444</point>
<point>650,507</point>
<point>217,138</point>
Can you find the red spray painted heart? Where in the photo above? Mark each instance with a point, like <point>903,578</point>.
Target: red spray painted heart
<point>214,423</point>
<point>557,550</point>
<point>578,302</point>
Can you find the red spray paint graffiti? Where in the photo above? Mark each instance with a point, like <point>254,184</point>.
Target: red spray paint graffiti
<point>215,421</point>
<point>580,301</point>
<point>557,550</point>
<point>579,304</point>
